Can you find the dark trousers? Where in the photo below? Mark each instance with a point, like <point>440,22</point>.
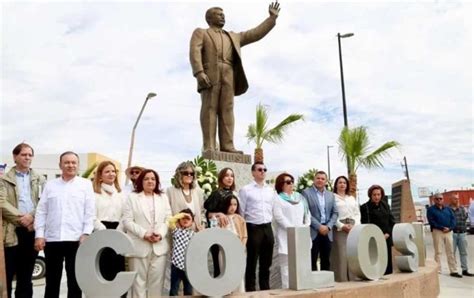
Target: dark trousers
<point>20,261</point>
<point>215,260</point>
<point>259,247</point>
<point>55,253</point>
<point>389,269</point>
<point>322,248</point>
<point>178,275</point>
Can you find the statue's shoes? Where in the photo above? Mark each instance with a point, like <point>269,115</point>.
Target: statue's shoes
<point>233,150</point>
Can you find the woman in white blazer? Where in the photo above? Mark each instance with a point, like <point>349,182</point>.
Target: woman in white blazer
<point>289,210</point>
<point>144,217</point>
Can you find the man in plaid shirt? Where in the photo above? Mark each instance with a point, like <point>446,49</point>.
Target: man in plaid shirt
<point>459,233</point>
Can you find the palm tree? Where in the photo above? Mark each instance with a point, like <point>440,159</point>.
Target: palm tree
<point>259,132</point>
<point>354,147</point>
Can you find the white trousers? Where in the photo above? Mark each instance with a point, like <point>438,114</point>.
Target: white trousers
<point>283,262</point>
<point>150,275</point>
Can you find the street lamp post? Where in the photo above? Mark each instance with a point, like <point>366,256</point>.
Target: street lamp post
<point>130,152</point>
<point>329,163</point>
<point>344,108</point>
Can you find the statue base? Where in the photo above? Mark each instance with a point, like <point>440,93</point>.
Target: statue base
<point>227,156</point>
<point>239,163</point>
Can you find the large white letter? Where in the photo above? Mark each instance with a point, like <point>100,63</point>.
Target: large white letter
<point>88,275</point>
<point>420,242</point>
<point>196,262</point>
<point>403,235</point>
<point>367,251</point>
<point>299,262</point>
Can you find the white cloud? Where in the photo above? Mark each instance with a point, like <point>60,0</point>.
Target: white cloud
<point>75,75</point>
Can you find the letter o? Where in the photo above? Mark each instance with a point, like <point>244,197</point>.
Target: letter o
<point>367,251</point>
<point>196,262</point>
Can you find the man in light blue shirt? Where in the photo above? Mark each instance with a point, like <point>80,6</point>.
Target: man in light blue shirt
<point>322,206</point>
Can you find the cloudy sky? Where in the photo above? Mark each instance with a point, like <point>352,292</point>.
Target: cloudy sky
<point>74,76</point>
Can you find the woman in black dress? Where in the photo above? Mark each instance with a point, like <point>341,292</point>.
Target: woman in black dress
<point>216,209</point>
<point>376,211</point>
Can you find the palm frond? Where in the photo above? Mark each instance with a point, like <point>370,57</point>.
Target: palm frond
<point>259,132</point>
<point>354,146</point>
<point>374,159</point>
<point>275,134</point>
<point>251,133</point>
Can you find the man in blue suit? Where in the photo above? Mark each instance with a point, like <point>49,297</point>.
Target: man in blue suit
<point>322,207</point>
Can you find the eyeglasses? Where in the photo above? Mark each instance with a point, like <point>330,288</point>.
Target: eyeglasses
<point>135,172</point>
<point>262,169</point>
<point>289,182</point>
<point>186,173</point>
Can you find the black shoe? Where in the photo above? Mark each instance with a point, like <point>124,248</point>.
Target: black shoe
<point>466,273</point>
<point>455,274</point>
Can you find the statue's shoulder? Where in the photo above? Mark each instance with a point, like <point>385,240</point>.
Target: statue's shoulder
<point>200,30</point>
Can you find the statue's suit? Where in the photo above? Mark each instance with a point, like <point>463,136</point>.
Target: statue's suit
<point>217,53</point>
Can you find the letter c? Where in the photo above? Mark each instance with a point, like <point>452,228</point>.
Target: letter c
<point>88,276</point>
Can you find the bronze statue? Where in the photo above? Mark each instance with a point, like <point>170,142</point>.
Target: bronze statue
<point>216,62</point>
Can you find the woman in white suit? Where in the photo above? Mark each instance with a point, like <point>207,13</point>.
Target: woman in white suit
<point>144,217</point>
<point>289,210</point>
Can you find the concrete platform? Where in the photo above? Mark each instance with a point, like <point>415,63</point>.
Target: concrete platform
<point>424,283</point>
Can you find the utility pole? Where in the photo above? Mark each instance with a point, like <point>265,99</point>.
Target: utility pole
<point>405,167</point>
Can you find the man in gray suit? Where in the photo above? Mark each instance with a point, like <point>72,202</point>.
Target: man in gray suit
<point>322,207</point>
<point>217,65</point>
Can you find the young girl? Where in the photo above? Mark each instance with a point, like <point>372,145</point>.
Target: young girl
<point>236,225</point>
<point>182,233</point>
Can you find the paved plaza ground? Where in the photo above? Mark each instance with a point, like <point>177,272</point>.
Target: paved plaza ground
<point>449,287</point>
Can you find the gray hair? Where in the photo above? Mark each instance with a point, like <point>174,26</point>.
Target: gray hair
<point>178,177</point>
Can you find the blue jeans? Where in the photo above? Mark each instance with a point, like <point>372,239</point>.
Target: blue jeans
<point>460,242</point>
<point>178,275</point>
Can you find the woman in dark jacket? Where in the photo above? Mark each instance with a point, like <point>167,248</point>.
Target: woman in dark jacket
<point>377,212</point>
<point>216,208</point>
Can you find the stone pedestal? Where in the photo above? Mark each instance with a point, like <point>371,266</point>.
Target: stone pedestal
<point>240,163</point>
<point>227,156</point>
<point>403,208</point>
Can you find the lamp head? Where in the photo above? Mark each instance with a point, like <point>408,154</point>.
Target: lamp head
<point>150,95</point>
<point>345,35</point>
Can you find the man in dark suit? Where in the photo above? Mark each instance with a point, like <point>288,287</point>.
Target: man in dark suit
<point>216,63</point>
<point>322,207</point>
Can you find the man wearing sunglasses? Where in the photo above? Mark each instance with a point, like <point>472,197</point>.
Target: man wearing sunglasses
<point>442,223</point>
<point>256,206</point>
<point>132,173</point>
<point>459,233</point>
